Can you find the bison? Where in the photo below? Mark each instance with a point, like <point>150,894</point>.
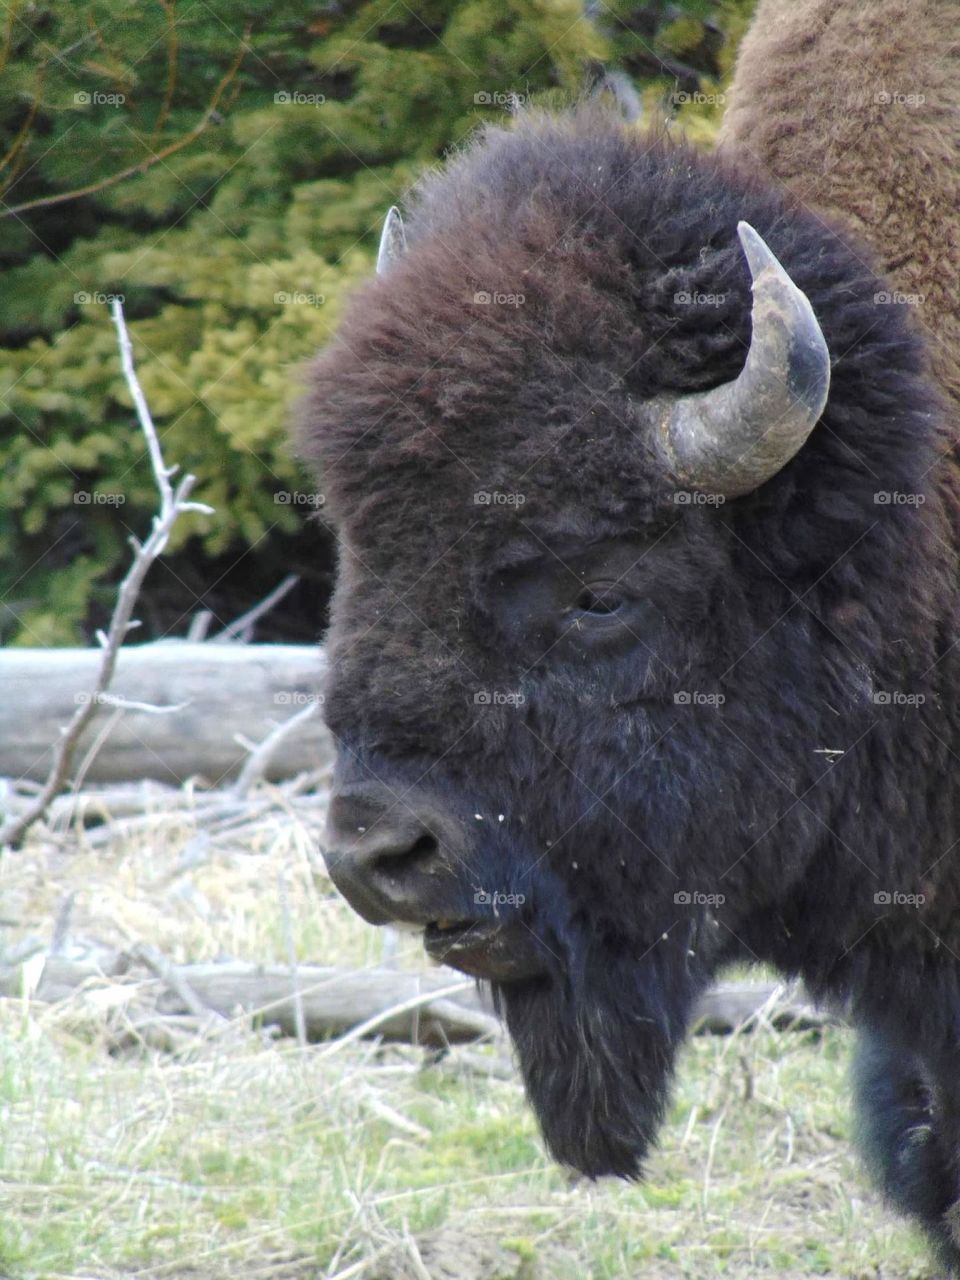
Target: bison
<point>855,108</point>
<point>643,655</point>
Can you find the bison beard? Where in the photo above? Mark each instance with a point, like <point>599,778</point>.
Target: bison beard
<point>597,1053</point>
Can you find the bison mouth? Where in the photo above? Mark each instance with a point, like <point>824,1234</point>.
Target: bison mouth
<point>498,950</point>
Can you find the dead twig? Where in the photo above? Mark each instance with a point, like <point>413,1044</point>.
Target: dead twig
<point>254,769</point>
<point>174,981</point>
<point>173,504</point>
<point>242,628</point>
<point>415,1002</point>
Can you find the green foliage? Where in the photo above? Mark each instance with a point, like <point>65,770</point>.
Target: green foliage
<point>261,143</point>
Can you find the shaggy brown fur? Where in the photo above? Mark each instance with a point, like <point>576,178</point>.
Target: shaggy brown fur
<point>798,607</point>
<point>667,734</point>
<point>855,107</point>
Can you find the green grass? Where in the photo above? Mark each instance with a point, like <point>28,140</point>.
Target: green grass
<point>251,1159</point>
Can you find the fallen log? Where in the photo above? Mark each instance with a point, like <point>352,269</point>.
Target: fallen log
<point>335,1001</point>
<point>435,1007</point>
<point>225,697</point>
<point>439,1006</point>
<point>733,1006</point>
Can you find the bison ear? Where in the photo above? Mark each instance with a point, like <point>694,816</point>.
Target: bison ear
<point>393,242</point>
<point>733,438</point>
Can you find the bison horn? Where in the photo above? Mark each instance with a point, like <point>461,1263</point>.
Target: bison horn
<point>733,438</point>
<point>393,242</point>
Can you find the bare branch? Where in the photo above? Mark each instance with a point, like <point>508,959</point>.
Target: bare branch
<point>131,704</point>
<point>489,1025</point>
<point>173,979</point>
<point>256,766</point>
<point>199,626</point>
<point>242,627</point>
<point>173,503</point>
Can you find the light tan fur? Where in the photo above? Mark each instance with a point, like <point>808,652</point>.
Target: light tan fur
<point>855,106</point>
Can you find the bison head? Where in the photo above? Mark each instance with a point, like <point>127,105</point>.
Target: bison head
<point>604,624</point>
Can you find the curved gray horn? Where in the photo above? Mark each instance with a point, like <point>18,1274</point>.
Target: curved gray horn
<point>731,439</point>
<point>393,242</point>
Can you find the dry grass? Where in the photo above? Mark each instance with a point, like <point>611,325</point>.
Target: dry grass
<point>247,1158</point>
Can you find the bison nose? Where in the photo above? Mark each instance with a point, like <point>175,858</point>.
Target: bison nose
<point>382,855</point>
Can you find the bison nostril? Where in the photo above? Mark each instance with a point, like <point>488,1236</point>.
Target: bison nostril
<point>384,856</point>
<point>414,857</point>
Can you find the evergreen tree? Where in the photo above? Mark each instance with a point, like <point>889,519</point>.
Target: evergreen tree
<point>225,168</point>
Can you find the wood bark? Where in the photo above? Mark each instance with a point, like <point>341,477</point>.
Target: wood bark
<point>229,692</point>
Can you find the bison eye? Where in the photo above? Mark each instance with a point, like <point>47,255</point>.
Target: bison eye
<point>599,600</point>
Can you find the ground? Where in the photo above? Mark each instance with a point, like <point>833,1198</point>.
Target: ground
<point>245,1156</point>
